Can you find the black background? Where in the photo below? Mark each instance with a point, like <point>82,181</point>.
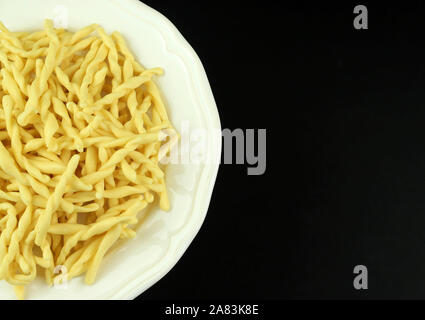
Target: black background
<point>345,184</point>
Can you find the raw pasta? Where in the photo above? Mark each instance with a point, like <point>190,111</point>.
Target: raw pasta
<point>80,137</point>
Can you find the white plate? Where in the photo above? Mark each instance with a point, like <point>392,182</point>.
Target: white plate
<point>135,265</point>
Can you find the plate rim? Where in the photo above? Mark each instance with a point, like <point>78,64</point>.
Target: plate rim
<point>211,116</point>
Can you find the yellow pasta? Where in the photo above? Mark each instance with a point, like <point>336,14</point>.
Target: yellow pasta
<point>80,123</point>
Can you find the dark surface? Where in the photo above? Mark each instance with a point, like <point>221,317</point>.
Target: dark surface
<point>345,182</point>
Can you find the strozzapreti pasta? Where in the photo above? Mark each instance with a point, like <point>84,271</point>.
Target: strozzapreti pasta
<point>80,138</point>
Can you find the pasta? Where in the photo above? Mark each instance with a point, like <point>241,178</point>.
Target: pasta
<point>80,140</point>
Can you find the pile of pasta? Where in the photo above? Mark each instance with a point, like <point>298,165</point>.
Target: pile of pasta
<point>80,142</point>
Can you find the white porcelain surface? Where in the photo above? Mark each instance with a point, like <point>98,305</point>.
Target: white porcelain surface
<point>134,265</point>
